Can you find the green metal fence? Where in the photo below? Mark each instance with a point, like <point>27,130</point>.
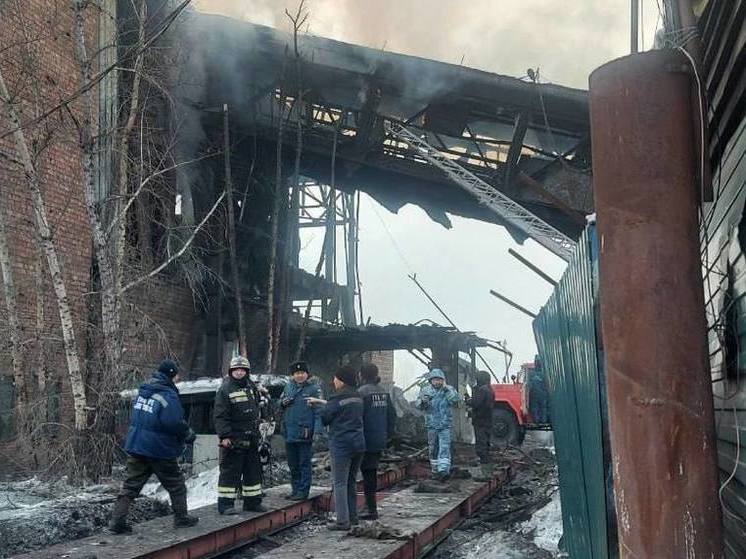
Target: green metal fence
<point>566,337</point>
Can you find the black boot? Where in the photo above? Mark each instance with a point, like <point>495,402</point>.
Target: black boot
<point>252,504</point>
<point>372,508</point>
<point>181,518</point>
<point>118,523</point>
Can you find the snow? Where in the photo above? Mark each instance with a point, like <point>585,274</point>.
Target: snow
<point>202,385</point>
<point>546,525</point>
<point>202,489</point>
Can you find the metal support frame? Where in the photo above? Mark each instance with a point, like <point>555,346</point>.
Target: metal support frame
<point>325,208</point>
<point>512,212</point>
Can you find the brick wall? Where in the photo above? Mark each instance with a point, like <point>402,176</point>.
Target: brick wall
<point>160,315</point>
<point>384,360</point>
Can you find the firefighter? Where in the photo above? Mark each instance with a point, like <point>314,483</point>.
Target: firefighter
<point>379,419</point>
<point>482,404</point>
<point>156,438</point>
<point>299,422</point>
<point>238,412</point>
<point>436,399</point>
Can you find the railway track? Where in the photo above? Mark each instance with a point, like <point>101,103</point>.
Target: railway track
<point>422,520</point>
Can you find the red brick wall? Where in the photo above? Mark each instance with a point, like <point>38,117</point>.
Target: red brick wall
<point>160,315</point>
<point>38,32</point>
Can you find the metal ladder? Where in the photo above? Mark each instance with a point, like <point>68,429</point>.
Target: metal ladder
<point>515,214</point>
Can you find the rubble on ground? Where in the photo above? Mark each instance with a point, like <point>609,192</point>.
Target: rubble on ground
<point>36,514</point>
<point>522,521</point>
<point>377,530</point>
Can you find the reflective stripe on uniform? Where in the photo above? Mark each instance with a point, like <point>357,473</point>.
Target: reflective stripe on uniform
<point>161,399</point>
<point>251,490</point>
<point>236,394</point>
<point>227,492</point>
<point>352,400</point>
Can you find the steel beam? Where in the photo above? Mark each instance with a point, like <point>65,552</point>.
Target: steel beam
<point>652,309</point>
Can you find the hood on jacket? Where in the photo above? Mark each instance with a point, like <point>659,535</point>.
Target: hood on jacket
<point>436,373</point>
<point>160,382</point>
<point>483,377</point>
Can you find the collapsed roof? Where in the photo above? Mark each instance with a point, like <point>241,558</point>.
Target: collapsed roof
<point>528,140</point>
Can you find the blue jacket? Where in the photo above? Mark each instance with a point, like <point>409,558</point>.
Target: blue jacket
<point>157,426</point>
<point>299,419</point>
<point>343,414</point>
<point>437,404</point>
<point>379,417</point>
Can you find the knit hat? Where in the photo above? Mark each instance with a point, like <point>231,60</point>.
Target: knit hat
<point>369,373</point>
<point>299,366</point>
<point>436,373</point>
<point>168,368</point>
<point>348,375</point>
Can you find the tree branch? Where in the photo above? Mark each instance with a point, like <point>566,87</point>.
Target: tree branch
<point>181,251</point>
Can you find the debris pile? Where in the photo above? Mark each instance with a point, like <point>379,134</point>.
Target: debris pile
<point>35,514</point>
<point>377,530</point>
<point>522,521</point>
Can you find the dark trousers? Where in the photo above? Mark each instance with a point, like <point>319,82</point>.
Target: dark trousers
<point>369,469</point>
<point>345,465</point>
<point>240,470</point>
<point>299,460</point>
<point>139,470</point>
<point>482,439</point>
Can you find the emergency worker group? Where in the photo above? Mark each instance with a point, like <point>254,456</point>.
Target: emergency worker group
<point>358,416</point>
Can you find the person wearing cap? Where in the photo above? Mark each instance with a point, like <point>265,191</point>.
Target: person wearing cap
<point>436,399</point>
<point>299,421</point>
<point>379,419</point>
<point>343,414</point>
<point>156,438</point>
<point>237,414</point>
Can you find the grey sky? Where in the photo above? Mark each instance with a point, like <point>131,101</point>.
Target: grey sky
<point>567,40</point>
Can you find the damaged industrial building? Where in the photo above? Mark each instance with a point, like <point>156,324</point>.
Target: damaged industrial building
<point>181,195</point>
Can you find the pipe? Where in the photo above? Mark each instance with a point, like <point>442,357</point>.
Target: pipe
<point>652,309</point>
<point>523,260</point>
<point>513,304</point>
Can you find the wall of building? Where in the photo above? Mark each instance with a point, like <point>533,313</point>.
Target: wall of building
<point>384,360</point>
<point>159,316</point>
<point>724,252</point>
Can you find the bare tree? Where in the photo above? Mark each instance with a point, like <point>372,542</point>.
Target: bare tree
<point>23,152</point>
<point>14,327</point>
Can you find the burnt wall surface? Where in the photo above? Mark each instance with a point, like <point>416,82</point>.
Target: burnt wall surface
<point>724,251</point>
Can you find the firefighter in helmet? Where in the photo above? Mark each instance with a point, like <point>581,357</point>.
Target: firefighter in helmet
<point>238,412</point>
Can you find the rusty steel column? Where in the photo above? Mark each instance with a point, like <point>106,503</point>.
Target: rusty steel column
<point>652,309</point>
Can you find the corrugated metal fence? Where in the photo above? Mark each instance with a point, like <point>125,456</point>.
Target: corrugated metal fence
<point>566,336</point>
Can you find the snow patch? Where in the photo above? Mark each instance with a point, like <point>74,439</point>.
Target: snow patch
<point>202,489</point>
<point>545,525</point>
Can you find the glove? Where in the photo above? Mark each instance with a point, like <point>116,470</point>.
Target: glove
<point>191,436</point>
<point>287,402</point>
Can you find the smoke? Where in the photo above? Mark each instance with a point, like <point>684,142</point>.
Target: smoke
<point>567,40</point>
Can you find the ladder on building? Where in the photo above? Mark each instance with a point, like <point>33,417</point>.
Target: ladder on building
<point>515,214</point>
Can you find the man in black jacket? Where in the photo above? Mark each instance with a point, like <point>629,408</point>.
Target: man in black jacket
<point>237,415</point>
<point>482,403</point>
<point>379,420</point>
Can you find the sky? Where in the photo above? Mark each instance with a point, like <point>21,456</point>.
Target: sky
<point>567,41</point>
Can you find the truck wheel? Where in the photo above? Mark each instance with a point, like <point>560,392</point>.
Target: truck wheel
<point>505,428</point>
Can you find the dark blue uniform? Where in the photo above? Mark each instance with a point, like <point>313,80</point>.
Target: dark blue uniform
<point>299,421</point>
<point>379,420</point>
<point>157,436</point>
<point>344,416</point>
